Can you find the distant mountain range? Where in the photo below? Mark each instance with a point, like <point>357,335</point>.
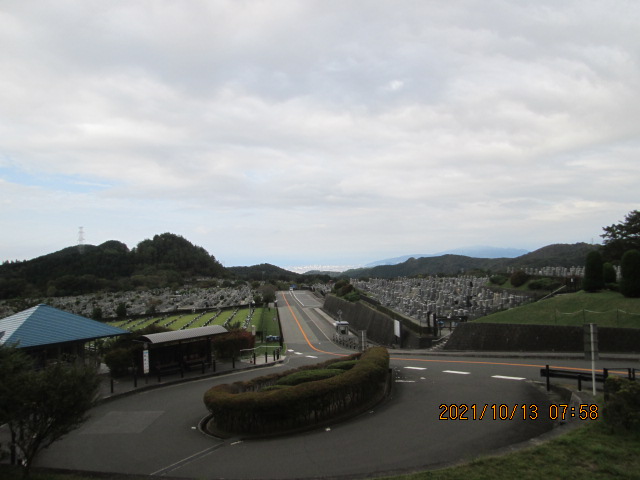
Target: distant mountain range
<point>557,255</point>
<point>170,260</point>
<point>475,252</point>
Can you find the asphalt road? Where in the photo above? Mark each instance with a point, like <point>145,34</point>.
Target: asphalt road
<point>155,432</point>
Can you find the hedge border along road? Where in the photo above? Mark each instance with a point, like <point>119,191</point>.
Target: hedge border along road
<point>244,408</point>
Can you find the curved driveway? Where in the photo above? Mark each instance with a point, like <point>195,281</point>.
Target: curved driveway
<point>155,432</point>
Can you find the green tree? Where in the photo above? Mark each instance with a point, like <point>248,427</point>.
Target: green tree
<point>121,310</point>
<point>609,273</point>
<point>518,278</point>
<point>268,293</point>
<point>630,270</point>
<point>622,236</point>
<point>96,313</point>
<point>593,272</point>
<point>41,406</point>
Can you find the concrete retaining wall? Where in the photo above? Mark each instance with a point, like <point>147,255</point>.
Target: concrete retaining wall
<point>379,327</point>
<point>498,337</point>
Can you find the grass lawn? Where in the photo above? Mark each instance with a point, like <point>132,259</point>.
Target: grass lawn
<point>181,319</point>
<point>590,451</point>
<point>607,309</point>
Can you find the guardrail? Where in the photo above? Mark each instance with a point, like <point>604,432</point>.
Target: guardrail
<point>601,377</point>
<point>252,353</point>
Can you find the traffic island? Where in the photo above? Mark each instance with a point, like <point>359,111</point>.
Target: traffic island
<point>297,400</point>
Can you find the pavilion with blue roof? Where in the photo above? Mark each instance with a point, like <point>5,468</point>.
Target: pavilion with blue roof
<point>46,332</point>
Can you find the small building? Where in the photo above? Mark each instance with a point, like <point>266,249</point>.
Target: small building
<point>47,333</point>
<point>179,349</point>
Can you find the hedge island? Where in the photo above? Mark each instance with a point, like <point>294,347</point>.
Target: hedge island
<point>300,398</point>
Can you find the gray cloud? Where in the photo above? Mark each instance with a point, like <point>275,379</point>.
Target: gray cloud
<point>317,131</point>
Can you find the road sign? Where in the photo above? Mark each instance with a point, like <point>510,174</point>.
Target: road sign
<point>145,361</point>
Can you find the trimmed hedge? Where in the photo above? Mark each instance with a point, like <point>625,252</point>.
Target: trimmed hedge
<point>308,376</point>
<point>245,408</point>
<point>345,365</point>
<point>622,404</point>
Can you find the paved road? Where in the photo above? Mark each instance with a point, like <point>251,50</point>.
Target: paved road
<point>155,432</point>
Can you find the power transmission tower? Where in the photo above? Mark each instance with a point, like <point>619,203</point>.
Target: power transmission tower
<point>81,240</point>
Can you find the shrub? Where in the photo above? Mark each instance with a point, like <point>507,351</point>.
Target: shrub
<point>622,405</point>
<point>609,273</point>
<point>344,365</point>
<point>308,376</point>
<point>544,284</point>
<point>353,296</point>
<point>498,279</point>
<point>630,269</point>
<point>229,344</point>
<point>249,407</point>
<point>119,361</point>
<point>518,278</point>
<point>274,387</point>
<point>593,272</point>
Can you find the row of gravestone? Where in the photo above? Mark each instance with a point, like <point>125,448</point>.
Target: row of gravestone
<point>444,296</point>
<point>564,272</point>
<point>163,300</point>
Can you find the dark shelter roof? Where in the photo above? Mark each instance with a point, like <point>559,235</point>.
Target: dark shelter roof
<point>44,325</point>
<point>179,335</point>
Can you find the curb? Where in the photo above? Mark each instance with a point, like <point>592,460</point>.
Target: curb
<point>154,386</point>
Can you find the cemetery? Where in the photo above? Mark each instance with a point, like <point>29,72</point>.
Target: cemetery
<point>463,297</point>
<point>144,302</point>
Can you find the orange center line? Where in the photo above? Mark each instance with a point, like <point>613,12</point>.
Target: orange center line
<point>305,335</point>
<point>404,359</point>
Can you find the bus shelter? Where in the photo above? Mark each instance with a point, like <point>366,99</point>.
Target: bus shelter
<point>179,350</point>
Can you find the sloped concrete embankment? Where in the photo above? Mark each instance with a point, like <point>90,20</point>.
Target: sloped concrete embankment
<point>379,327</point>
<point>496,337</point>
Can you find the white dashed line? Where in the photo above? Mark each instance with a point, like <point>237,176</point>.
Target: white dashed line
<point>507,378</point>
<point>416,368</point>
<point>311,356</point>
<point>456,372</point>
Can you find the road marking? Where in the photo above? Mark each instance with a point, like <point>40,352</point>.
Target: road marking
<point>298,353</point>
<point>456,372</point>
<point>405,381</point>
<point>305,335</point>
<point>507,378</point>
<point>311,356</point>
<point>416,368</point>
<point>187,460</point>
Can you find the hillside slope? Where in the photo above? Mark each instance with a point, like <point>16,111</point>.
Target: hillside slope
<point>557,255</point>
<point>164,260</point>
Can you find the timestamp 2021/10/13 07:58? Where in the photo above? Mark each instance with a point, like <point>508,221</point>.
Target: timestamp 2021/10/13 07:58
<point>532,411</point>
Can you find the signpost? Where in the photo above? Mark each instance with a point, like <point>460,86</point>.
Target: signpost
<point>591,350</point>
<point>145,360</point>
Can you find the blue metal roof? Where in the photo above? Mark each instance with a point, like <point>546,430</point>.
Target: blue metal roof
<point>45,325</point>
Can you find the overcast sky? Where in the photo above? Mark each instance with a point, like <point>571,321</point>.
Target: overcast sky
<point>317,132</point>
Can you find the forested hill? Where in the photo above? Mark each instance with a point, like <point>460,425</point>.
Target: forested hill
<point>557,255</point>
<point>165,260</point>
<point>271,273</point>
